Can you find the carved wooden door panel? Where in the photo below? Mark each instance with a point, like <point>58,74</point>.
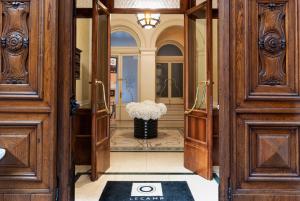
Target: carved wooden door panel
<point>28,100</point>
<point>100,156</point>
<point>199,90</point>
<point>265,100</point>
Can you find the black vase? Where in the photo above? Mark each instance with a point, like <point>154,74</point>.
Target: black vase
<point>145,129</point>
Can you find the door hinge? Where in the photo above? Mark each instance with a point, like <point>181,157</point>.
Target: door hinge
<point>57,190</point>
<point>229,190</point>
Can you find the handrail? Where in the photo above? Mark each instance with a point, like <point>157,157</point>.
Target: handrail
<point>98,82</point>
<point>196,97</point>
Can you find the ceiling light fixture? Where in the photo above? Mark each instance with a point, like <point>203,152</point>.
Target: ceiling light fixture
<point>148,20</point>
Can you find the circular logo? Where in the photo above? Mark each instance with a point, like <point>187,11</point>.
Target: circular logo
<point>146,189</point>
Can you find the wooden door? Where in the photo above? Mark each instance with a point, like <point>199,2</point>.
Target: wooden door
<point>199,90</point>
<point>28,97</point>
<point>265,100</point>
<point>100,90</point>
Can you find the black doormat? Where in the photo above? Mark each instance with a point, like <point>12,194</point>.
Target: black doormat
<point>146,191</point>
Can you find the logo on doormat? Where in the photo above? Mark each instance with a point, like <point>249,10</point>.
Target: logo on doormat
<point>146,191</point>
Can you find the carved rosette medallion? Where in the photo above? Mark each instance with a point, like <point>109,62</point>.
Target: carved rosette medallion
<point>272,44</point>
<point>15,43</point>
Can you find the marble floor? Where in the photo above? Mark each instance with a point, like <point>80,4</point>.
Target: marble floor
<point>144,166</point>
<point>168,139</point>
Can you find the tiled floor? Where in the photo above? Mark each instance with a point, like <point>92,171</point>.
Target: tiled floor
<point>145,166</point>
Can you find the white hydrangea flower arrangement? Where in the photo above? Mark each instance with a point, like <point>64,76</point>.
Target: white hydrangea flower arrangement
<point>146,110</point>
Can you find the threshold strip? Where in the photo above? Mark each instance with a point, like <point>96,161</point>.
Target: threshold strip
<point>79,174</point>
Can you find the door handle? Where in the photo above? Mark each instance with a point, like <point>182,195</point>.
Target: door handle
<point>2,153</point>
<point>195,102</point>
<point>98,83</point>
<point>207,83</point>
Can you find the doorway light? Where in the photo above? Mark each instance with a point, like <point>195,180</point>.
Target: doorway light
<point>148,20</point>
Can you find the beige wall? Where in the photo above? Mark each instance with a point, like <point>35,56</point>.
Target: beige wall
<point>171,34</point>
<point>84,44</point>
<point>170,29</point>
<point>148,46</point>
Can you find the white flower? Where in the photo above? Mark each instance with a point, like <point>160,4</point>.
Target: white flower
<point>146,110</point>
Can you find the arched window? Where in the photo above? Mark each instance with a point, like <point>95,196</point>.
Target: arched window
<point>122,39</point>
<point>169,74</point>
<point>169,50</point>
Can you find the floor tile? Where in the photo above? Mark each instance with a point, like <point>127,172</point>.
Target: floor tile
<point>201,189</point>
<point>143,162</point>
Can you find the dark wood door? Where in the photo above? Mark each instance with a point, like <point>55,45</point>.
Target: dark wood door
<point>28,98</point>
<point>265,98</point>
<point>100,90</point>
<point>199,90</point>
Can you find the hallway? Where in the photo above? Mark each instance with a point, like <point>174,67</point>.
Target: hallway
<point>144,166</point>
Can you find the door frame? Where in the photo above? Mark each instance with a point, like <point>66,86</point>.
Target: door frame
<point>65,30</point>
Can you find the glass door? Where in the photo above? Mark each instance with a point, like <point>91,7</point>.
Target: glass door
<point>199,90</point>
<point>126,84</point>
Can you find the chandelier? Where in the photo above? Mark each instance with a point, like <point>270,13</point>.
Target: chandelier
<point>148,20</point>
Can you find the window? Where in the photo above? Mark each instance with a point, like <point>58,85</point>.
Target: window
<point>169,50</point>
<point>169,74</point>
<point>122,39</point>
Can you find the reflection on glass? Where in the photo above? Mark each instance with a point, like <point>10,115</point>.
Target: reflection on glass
<point>215,64</point>
<point>177,80</point>
<point>162,80</point>
<point>151,4</point>
<point>102,69</point>
<point>201,68</point>
<point>198,67</point>
<point>129,79</point>
<point>117,89</point>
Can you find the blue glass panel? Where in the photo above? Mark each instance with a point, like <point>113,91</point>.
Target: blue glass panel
<point>169,50</point>
<point>130,79</point>
<point>122,39</point>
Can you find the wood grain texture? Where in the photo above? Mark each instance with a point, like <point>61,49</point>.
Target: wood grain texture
<point>198,144</point>
<point>66,90</point>
<point>22,38</point>
<point>271,64</point>
<point>82,131</point>
<point>100,138</point>
<point>28,98</point>
<point>264,100</point>
<point>224,41</point>
<point>15,43</point>
<point>17,197</point>
<point>42,197</point>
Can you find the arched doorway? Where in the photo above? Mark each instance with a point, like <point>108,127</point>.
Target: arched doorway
<point>169,74</point>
